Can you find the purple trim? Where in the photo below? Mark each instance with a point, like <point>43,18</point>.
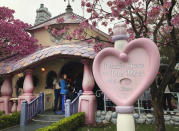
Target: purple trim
<point>30,109</point>
<point>119,37</point>
<point>124,109</point>
<point>71,107</point>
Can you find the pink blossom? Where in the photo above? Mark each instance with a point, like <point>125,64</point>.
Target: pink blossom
<point>109,3</point>
<point>109,30</point>
<point>73,17</point>
<point>94,23</point>
<point>90,40</point>
<point>54,31</point>
<point>88,4</point>
<point>68,37</point>
<point>127,22</point>
<point>111,19</point>
<point>60,20</point>
<point>114,11</point>
<point>82,3</point>
<point>88,10</point>
<point>13,35</point>
<point>95,15</point>
<point>62,31</point>
<point>105,23</point>
<point>6,13</point>
<point>175,20</point>
<point>84,24</point>
<point>166,4</point>
<point>154,11</point>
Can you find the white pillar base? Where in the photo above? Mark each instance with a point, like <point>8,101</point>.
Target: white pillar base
<point>125,122</point>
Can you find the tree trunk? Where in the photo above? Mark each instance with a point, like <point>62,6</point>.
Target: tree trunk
<point>157,95</point>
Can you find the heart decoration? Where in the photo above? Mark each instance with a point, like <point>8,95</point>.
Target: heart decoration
<point>124,76</point>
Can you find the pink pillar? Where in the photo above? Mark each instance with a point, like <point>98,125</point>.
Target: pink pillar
<point>87,102</point>
<point>6,95</point>
<point>28,88</point>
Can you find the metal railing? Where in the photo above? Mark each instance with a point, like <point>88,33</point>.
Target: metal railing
<point>138,106</point>
<point>29,110</point>
<point>72,107</point>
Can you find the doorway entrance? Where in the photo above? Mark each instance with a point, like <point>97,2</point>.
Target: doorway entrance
<point>74,72</point>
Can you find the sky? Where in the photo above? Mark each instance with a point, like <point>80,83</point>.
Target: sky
<point>25,10</point>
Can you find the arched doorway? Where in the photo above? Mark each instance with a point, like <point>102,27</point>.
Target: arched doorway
<point>74,71</point>
<point>49,79</point>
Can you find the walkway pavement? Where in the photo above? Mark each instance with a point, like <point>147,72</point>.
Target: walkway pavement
<point>40,121</point>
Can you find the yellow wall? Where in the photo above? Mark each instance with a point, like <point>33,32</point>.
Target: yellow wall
<point>51,65</point>
<point>44,38</point>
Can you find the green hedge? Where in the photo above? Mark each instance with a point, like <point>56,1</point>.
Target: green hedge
<point>9,120</point>
<point>1,113</point>
<point>66,124</point>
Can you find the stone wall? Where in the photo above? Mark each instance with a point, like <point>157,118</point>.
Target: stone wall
<point>109,116</point>
<point>106,117</point>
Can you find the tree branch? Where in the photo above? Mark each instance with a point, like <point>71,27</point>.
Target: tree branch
<point>169,18</point>
<point>133,23</point>
<point>157,28</point>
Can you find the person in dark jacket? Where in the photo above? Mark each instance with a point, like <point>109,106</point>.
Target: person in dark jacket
<point>56,88</point>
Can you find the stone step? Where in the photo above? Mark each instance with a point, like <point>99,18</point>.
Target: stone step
<point>47,118</point>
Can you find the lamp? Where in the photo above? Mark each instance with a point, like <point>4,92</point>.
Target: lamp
<point>43,69</point>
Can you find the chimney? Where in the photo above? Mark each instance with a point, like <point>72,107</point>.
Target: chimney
<point>42,14</point>
<point>69,9</point>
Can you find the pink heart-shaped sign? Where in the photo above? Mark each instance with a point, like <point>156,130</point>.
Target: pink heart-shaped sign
<point>124,76</point>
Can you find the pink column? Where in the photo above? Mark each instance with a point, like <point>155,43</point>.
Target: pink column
<point>6,94</point>
<point>87,102</point>
<point>28,88</point>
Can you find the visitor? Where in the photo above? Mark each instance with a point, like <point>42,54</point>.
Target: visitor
<point>71,91</point>
<point>78,83</point>
<point>60,96</point>
<point>64,90</point>
<point>167,98</point>
<point>19,86</point>
<point>146,101</point>
<point>56,88</point>
<point>167,94</point>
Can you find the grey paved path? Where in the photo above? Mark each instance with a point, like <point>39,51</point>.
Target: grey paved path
<point>39,121</point>
<point>32,126</point>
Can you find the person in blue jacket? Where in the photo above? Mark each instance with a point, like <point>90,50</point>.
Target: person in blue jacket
<point>64,90</point>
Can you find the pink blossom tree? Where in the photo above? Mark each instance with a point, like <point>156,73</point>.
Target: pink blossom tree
<point>13,37</point>
<point>154,19</point>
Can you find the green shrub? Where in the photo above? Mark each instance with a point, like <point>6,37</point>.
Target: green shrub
<point>66,124</point>
<point>9,120</point>
<point>1,113</point>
